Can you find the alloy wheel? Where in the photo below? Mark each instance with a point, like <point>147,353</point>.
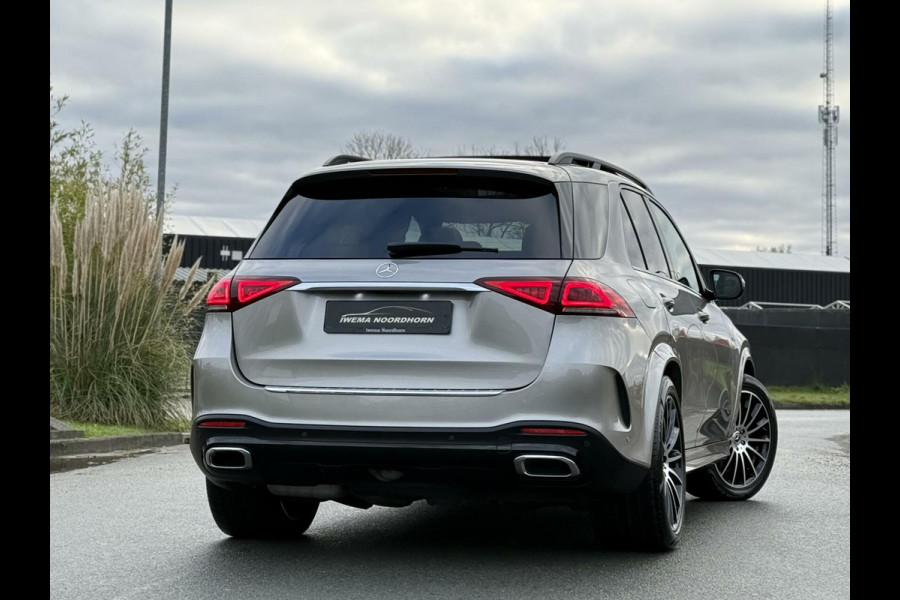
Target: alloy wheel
<point>750,443</point>
<point>673,465</point>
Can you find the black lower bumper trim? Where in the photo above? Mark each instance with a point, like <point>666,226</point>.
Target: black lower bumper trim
<point>419,463</point>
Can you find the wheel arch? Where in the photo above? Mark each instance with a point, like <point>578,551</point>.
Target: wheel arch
<point>673,371</point>
<point>662,362</point>
<point>746,368</point>
<point>749,367</point>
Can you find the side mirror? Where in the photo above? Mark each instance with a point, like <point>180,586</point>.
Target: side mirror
<point>726,285</point>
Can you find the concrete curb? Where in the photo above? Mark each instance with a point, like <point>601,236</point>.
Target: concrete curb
<point>102,445</point>
<point>66,434</point>
<point>60,430</point>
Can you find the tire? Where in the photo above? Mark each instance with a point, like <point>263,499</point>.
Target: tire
<point>651,518</point>
<point>245,512</point>
<point>744,472</point>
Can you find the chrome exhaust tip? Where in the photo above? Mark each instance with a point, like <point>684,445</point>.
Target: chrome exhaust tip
<point>222,457</point>
<point>546,466</point>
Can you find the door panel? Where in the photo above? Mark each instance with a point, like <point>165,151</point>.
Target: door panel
<point>687,332</point>
<point>681,306</point>
<point>715,361</point>
<point>723,387</point>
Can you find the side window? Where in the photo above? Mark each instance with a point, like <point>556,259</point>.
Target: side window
<point>679,256</point>
<point>646,233</point>
<point>591,220</point>
<point>631,241</point>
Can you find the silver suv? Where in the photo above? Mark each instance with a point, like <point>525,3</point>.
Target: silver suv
<point>510,329</point>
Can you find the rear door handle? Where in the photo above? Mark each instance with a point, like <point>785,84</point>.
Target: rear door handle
<point>704,316</point>
<point>669,303</point>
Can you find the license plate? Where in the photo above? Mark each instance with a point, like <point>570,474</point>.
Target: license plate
<point>388,318</point>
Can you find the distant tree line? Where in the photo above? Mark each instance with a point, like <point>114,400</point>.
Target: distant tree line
<point>378,144</point>
<point>780,249</point>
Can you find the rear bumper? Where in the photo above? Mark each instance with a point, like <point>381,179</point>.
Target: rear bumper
<point>422,463</point>
<point>593,375</point>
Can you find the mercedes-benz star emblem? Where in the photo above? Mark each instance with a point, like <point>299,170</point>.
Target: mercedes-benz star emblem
<point>387,270</point>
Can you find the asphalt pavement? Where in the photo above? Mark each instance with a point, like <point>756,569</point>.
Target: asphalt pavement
<point>140,528</point>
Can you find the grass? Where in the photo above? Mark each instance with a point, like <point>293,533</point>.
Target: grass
<point>105,430</point>
<point>102,430</point>
<point>810,396</point>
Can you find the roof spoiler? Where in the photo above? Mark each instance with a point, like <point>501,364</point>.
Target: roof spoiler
<point>560,158</point>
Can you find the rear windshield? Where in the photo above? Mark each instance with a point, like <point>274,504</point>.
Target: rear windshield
<point>358,218</point>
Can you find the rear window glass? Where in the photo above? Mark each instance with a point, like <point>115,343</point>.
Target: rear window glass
<point>358,218</point>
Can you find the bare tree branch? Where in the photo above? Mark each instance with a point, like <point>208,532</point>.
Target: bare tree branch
<point>376,144</point>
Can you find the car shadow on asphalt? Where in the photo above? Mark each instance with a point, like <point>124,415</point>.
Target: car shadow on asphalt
<point>474,537</point>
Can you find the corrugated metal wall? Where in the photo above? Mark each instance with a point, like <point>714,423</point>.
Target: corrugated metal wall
<point>796,287</point>
<point>211,249</point>
<point>797,347</point>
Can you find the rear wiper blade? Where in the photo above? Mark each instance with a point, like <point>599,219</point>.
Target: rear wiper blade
<point>429,249</point>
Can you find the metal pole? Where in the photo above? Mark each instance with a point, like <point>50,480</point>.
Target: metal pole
<point>164,113</point>
<point>829,116</point>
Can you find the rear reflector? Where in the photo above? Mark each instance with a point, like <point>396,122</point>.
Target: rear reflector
<point>224,424</point>
<point>231,294</point>
<point>574,295</point>
<point>552,431</point>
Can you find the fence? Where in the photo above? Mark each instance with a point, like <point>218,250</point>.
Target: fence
<point>797,346</point>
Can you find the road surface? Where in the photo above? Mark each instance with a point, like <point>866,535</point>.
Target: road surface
<point>140,528</point>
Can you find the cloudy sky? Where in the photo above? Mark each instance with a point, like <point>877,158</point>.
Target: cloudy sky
<point>713,103</point>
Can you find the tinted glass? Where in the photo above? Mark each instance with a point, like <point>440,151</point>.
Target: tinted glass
<point>649,240</point>
<point>679,257</point>
<point>631,241</point>
<point>358,219</point>
<point>591,210</point>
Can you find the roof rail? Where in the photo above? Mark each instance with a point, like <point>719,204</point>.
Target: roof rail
<point>573,158</point>
<point>501,156</point>
<point>343,159</point>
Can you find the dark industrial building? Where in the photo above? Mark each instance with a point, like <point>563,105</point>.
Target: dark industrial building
<point>220,244</point>
<point>782,278</point>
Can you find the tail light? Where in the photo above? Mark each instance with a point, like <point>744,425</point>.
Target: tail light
<point>573,295</point>
<point>540,292</point>
<point>592,297</point>
<point>218,297</point>
<point>230,294</point>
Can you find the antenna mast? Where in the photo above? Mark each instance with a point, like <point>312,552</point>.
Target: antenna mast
<point>829,115</point>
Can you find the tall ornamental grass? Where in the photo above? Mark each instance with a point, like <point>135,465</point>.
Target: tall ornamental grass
<point>118,321</point>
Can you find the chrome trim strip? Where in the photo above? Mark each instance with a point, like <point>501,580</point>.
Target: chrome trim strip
<point>248,462</point>
<point>377,391</point>
<point>362,286</point>
<point>519,463</point>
